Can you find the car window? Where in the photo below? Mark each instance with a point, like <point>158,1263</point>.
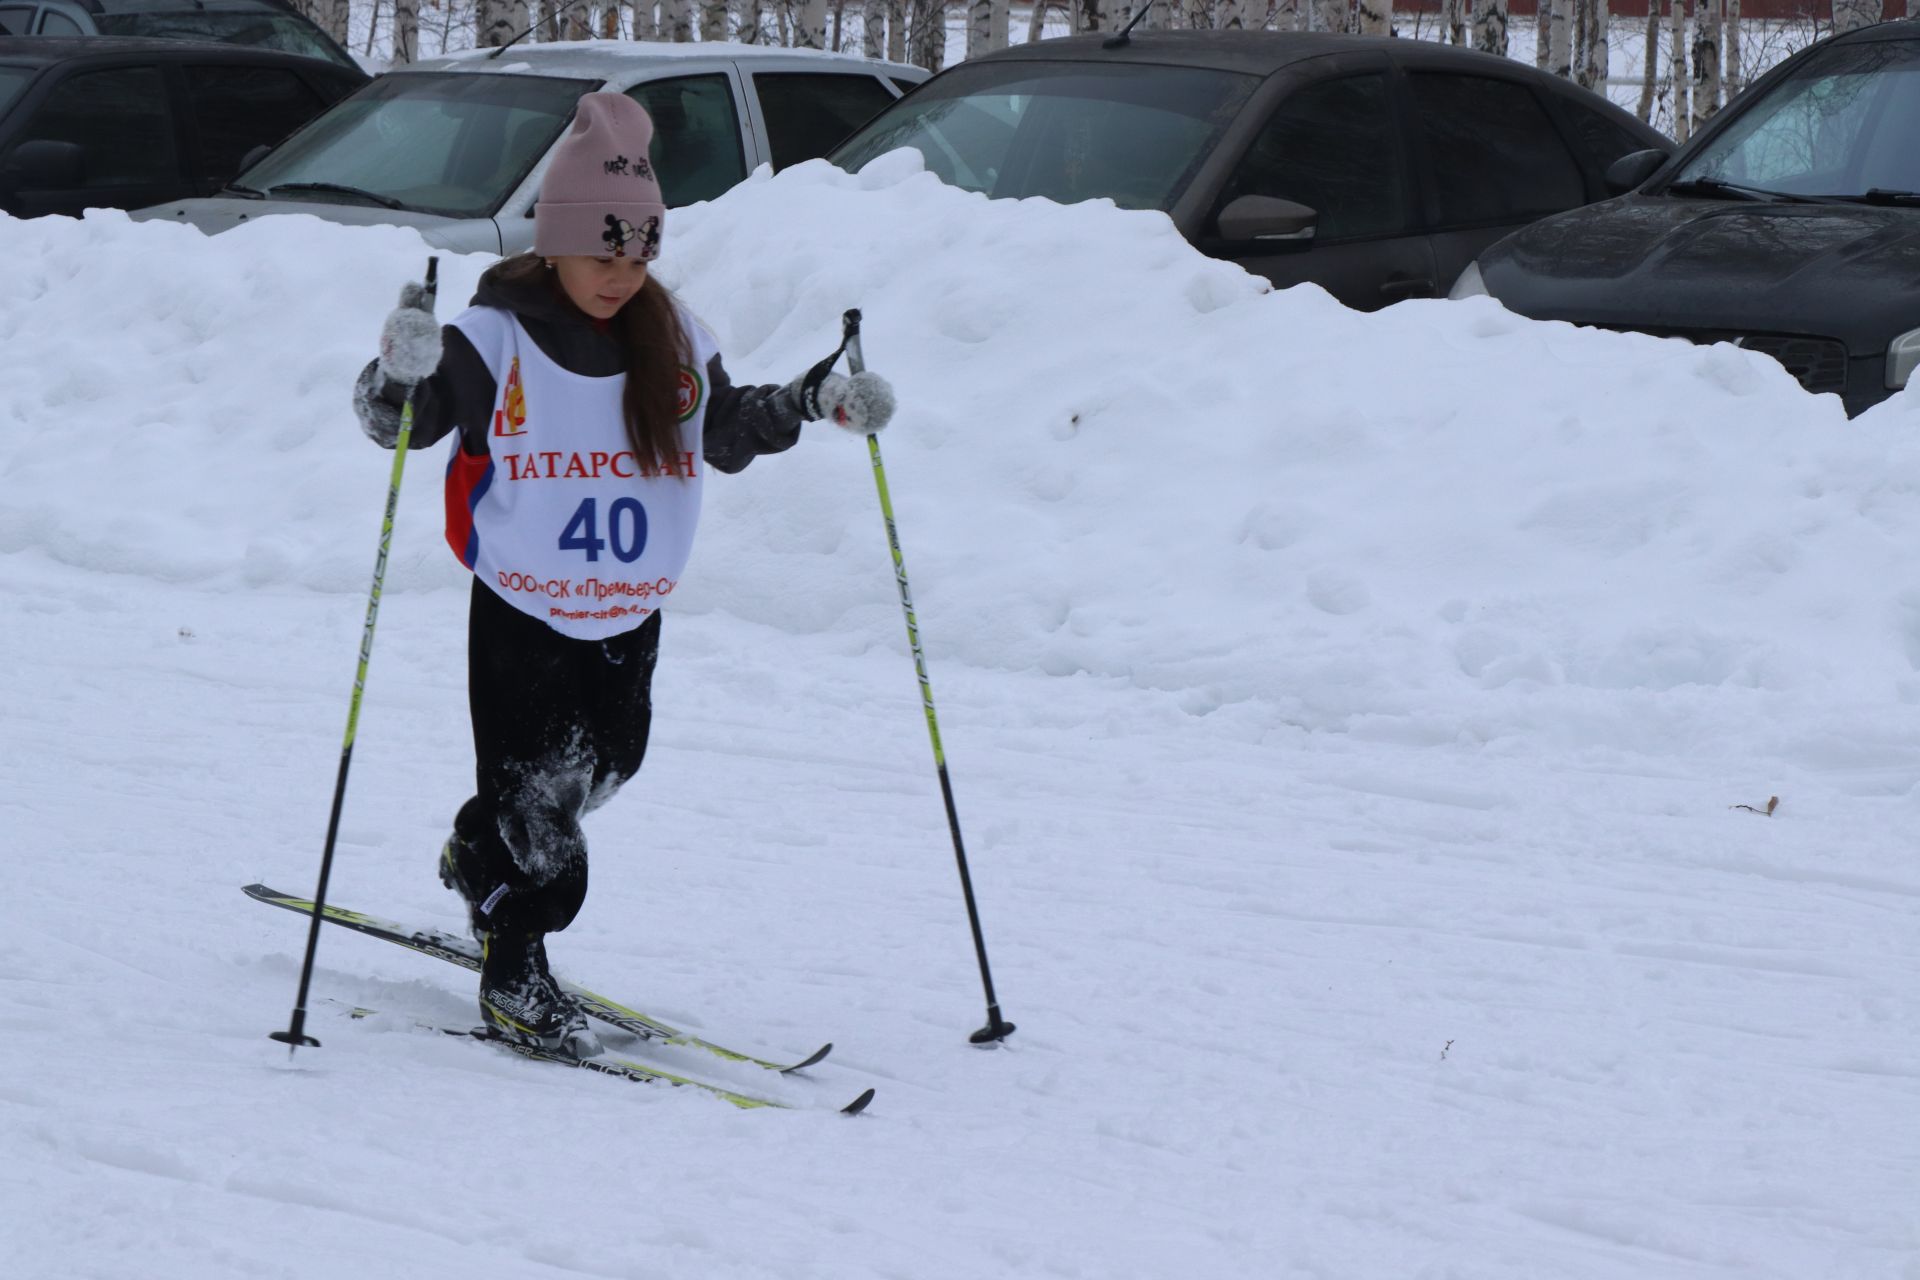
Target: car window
<point>809,113</point>
<point>455,143</point>
<point>15,21</point>
<point>1331,146</point>
<point>235,109</point>
<point>1602,139</point>
<point>12,81</point>
<point>1128,132</point>
<point>1496,155</point>
<point>263,30</point>
<point>119,118</point>
<point>1841,125</point>
<point>696,136</point>
<point>59,24</point>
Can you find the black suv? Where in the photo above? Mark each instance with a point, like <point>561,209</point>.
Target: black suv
<point>258,24</point>
<point>1375,168</point>
<point>121,124</point>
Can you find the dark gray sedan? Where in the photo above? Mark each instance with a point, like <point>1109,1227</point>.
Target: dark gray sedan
<point>1375,168</point>
<point>1791,226</point>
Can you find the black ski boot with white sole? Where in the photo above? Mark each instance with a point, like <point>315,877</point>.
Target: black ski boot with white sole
<point>519,1000</point>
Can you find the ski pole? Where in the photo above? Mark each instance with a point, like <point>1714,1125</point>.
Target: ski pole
<point>997,1028</point>
<point>295,1034</point>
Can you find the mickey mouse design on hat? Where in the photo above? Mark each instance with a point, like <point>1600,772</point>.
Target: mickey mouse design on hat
<point>596,200</point>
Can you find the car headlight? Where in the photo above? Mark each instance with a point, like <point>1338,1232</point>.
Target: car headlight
<point>1903,355</point>
<point>1470,285</point>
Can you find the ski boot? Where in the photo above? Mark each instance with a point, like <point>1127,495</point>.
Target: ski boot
<point>519,999</point>
<point>458,878</point>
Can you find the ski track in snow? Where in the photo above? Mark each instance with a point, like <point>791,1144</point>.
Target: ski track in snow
<point>1347,764</point>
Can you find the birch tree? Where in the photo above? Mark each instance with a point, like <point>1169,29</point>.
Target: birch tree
<point>713,19</point>
<point>1599,51</point>
<point>676,21</point>
<point>1651,72</point>
<point>873,28</point>
<point>897,30</point>
<point>1453,19</point>
<point>1734,79</point>
<point>980,15</point>
<point>331,17</point>
<point>497,21</point>
<point>1375,17</point>
<point>1850,15</point>
<point>1542,33</point>
<point>1677,67</point>
<point>579,24</point>
<point>1560,38</point>
<point>1706,62</point>
<point>810,25</point>
<point>406,31</point>
<point>929,34</point>
<point>1330,15</point>
<point>1490,26</point>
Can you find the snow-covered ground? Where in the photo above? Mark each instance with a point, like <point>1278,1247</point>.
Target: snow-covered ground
<point>1347,716</point>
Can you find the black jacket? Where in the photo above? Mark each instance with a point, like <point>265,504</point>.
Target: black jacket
<point>741,423</point>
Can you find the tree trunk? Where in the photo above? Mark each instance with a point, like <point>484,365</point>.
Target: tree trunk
<point>1560,38</point>
<point>498,21</point>
<point>1677,67</point>
<point>1543,33</point>
<point>406,31</point>
<point>930,34</point>
<point>1376,17</point>
<point>1453,21</point>
<point>873,28</point>
<point>1599,51</point>
<point>1490,26</point>
<point>580,22</point>
<point>676,21</point>
<point>1037,22</point>
<point>331,17</point>
<point>1330,15</point>
<point>897,30</point>
<point>1652,72</point>
<point>810,25</point>
<point>1735,80</point>
<point>713,20</point>
<point>1706,62</point>
<point>1580,21</point>
<point>979,27</point>
<point>1850,15</point>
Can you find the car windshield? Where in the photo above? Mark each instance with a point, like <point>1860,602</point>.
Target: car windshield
<point>1068,131</point>
<point>453,143</point>
<point>12,81</point>
<point>1846,123</point>
<point>262,30</point>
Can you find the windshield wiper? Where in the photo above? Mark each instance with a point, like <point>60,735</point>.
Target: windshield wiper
<point>1731,191</point>
<point>237,189</point>
<point>339,189</point>
<point>1884,195</point>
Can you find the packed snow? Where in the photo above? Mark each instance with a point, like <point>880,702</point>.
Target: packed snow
<point>1363,728</point>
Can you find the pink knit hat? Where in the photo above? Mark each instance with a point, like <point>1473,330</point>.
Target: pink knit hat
<point>600,197</point>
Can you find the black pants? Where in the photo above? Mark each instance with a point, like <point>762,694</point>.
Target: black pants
<point>558,725</point>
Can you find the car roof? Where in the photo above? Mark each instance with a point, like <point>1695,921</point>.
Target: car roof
<point>43,51</point>
<point>608,58</point>
<point>1258,53</point>
<point>1900,29</point>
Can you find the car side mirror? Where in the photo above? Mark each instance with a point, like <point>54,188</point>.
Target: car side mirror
<point>253,158</point>
<point>1267,218</point>
<point>45,165</point>
<point>1632,169</point>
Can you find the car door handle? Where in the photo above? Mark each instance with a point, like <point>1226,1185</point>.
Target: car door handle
<point>1407,287</point>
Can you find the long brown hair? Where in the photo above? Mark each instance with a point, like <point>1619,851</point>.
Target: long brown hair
<point>656,347</point>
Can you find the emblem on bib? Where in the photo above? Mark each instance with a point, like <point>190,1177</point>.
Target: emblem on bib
<point>510,419</point>
<point>691,391</point>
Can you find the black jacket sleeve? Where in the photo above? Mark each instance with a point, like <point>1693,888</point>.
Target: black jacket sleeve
<point>745,422</point>
<point>458,397</point>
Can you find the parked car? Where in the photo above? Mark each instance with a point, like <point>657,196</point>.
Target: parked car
<point>1790,226</point>
<point>457,146</point>
<point>258,24</point>
<point>120,123</point>
<point>1376,168</point>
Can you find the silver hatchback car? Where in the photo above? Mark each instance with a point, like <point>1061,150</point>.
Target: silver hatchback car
<point>457,146</point>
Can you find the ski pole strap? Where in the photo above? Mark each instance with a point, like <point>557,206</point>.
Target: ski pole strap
<point>810,385</point>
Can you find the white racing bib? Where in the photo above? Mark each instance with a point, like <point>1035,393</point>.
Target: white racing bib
<point>560,519</point>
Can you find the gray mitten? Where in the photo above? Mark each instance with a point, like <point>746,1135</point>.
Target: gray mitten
<point>863,403</point>
<point>410,338</point>
<point>379,418</point>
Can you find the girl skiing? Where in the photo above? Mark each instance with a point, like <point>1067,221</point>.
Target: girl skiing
<point>586,407</point>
